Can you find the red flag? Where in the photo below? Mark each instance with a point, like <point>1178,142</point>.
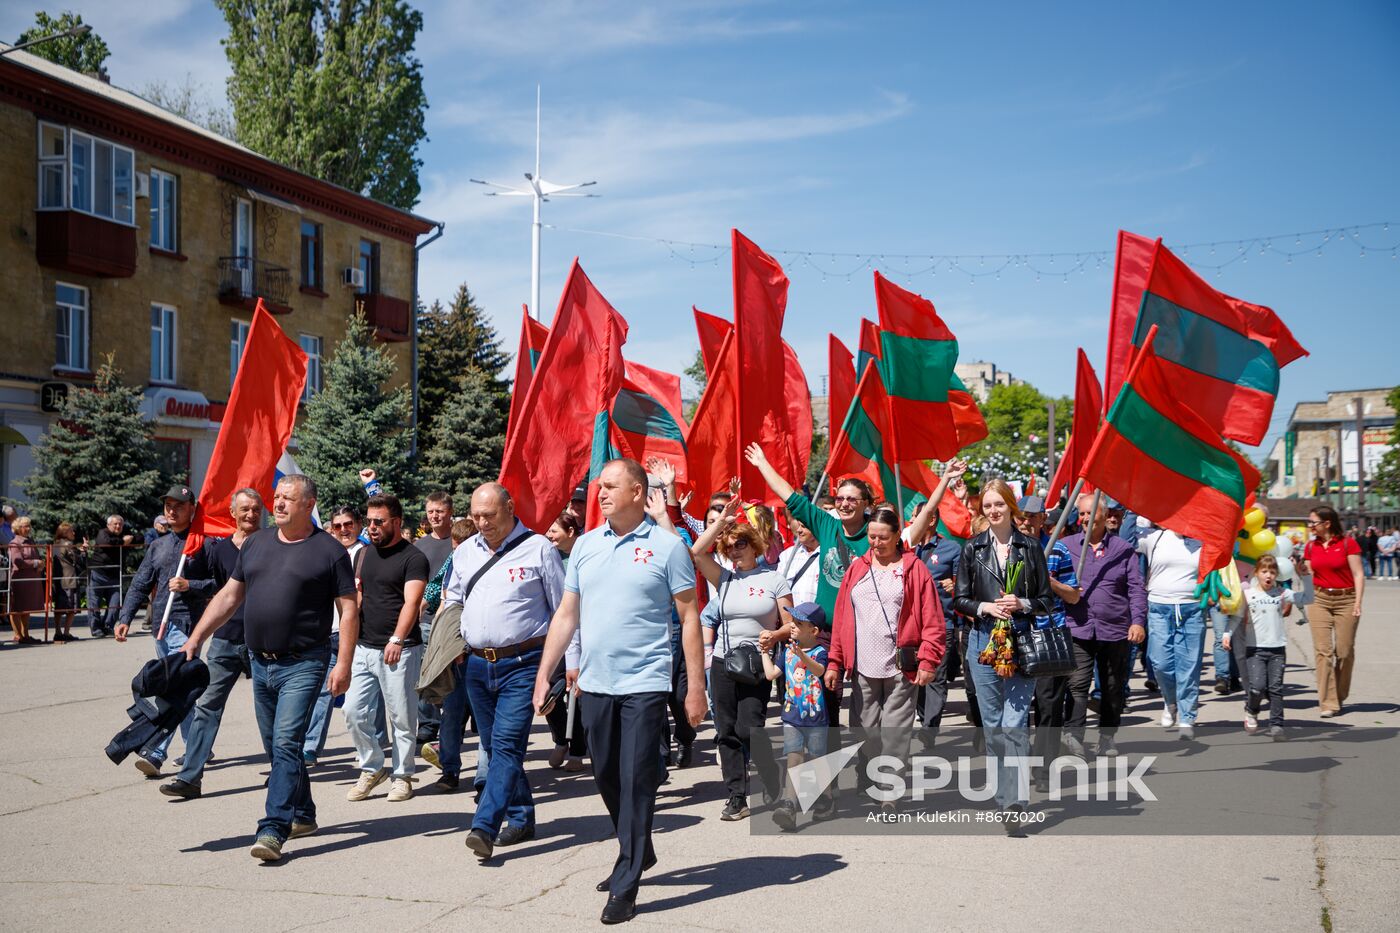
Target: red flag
<point>1030,486</point>
<point>1159,458</point>
<point>711,329</point>
<point>799,413</point>
<point>760,301</point>
<point>841,374</point>
<point>258,422</point>
<point>533,334</point>
<point>869,346</point>
<point>647,418</point>
<point>1131,267</point>
<point>1084,427</point>
<point>712,441</point>
<point>579,372</point>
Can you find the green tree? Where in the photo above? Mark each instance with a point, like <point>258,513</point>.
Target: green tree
<point>452,342</point>
<point>191,100</point>
<point>821,452</point>
<point>696,373</point>
<point>84,53</point>
<point>353,423</point>
<point>1387,478</point>
<point>332,88</point>
<point>1017,442</point>
<point>467,440</point>
<point>97,459</point>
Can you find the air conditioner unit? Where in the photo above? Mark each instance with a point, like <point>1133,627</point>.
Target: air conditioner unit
<point>143,185</point>
<point>354,276</point>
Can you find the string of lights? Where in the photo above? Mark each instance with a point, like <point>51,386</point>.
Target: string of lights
<point>1213,255</point>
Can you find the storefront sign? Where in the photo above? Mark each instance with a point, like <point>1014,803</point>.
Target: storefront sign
<point>177,406</point>
<point>52,395</point>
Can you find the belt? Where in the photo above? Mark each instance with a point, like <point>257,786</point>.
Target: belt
<point>509,651</point>
<point>1336,591</point>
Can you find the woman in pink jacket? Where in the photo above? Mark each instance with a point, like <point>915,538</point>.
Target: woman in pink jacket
<point>887,635</point>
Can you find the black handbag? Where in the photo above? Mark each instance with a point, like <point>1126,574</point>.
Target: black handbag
<point>1043,652</point>
<point>744,664</point>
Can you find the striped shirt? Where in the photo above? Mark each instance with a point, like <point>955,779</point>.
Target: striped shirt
<point>1061,568</point>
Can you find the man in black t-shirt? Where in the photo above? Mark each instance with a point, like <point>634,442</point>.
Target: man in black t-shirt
<point>287,580</point>
<point>104,576</point>
<point>391,574</point>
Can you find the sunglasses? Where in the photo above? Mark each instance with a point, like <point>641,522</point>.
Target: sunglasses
<point>737,543</point>
<point>850,499</point>
<point>342,526</point>
<point>378,521</point>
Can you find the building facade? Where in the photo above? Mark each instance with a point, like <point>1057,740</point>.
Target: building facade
<point>979,376</point>
<point>133,234</point>
<point>1317,455</point>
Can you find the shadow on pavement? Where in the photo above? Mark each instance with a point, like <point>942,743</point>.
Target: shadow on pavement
<point>733,876</point>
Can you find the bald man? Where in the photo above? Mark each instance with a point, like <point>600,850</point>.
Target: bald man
<point>508,581</point>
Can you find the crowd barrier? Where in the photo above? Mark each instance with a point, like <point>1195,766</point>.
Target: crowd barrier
<point>52,576</point>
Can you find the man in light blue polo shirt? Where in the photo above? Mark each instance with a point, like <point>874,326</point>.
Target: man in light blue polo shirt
<point>623,578</point>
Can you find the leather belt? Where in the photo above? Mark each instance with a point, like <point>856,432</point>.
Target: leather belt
<point>509,651</point>
<point>1336,591</point>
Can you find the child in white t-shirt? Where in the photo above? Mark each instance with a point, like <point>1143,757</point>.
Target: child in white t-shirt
<point>1266,603</point>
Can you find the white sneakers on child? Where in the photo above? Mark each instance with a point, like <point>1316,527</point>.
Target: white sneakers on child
<point>1251,722</point>
<point>1168,716</point>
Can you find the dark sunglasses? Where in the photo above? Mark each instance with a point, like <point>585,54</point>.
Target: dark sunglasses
<point>378,521</point>
<point>342,526</point>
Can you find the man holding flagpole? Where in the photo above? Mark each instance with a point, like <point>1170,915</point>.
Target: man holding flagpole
<point>175,606</point>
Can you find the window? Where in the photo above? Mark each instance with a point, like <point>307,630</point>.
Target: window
<point>312,347</point>
<point>164,204</point>
<point>310,255</point>
<point>162,343</point>
<point>53,164</point>
<point>85,173</point>
<point>238,339</point>
<point>369,265</point>
<point>71,328</point>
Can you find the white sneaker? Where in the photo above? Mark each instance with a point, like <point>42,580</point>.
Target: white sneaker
<point>368,781</point>
<point>1251,722</point>
<point>1187,732</point>
<point>1168,717</point>
<point>400,789</point>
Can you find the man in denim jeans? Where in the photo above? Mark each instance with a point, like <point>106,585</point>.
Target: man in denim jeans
<point>1176,625</point>
<point>287,579</point>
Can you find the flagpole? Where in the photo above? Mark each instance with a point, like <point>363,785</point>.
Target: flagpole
<point>1064,515</point>
<point>1093,519</point>
<point>165,616</point>
<point>898,494</point>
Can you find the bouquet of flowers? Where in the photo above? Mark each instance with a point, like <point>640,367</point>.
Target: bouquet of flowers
<point>999,653</point>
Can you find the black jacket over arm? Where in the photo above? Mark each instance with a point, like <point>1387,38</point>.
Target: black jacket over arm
<point>979,582</point>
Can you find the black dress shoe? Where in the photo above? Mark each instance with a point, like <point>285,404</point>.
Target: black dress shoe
<point>480,844</point>
<point>619,910</point>
<point>606,883</point>
<point>513,834</point>
<point>685,757</point>
<point>182,789</point>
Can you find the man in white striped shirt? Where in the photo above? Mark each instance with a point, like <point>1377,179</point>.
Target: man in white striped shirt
<point>508,581</point>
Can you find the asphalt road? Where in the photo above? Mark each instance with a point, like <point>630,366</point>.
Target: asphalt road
<point>90,845</point>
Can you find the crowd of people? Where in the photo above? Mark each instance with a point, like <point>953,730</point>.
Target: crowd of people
<point>627,636</point>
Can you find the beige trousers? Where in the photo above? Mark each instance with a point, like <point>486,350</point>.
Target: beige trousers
<point>1333,627</point>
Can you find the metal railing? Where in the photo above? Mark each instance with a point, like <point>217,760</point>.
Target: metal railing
<point>247,278</point>
<point>59,598</point>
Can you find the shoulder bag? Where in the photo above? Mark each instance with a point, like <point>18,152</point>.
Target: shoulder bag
<point>743,664</point>
<point>1043,652</point>
<point>906,657</point>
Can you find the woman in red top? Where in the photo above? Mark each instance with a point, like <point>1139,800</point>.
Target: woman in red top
<point>1335,559</point>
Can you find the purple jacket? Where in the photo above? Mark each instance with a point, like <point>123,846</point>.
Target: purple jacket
<point>1114,594</point>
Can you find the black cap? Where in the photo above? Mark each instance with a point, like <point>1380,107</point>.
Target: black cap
<point>179,494</point>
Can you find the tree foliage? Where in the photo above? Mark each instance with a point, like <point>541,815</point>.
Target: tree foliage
<point>331,88</point>
<point>81,53</point>
<point>468,438</point>
<point>353,423</point>
<point>194,102</point>
<point>453,341</point>
<point>97,459</point>
<point>1017,442</point>
<point>1387,478</point>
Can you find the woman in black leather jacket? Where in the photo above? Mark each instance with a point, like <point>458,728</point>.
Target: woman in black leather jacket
<point>980,595</point>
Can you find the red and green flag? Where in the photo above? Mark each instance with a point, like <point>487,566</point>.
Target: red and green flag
<point>841,374</point>
<point>1221,354</point>
<point>1162,460</point>
<point>869,346</point>
<point>647,417</point>
<point>862,449</point>
<point>917,354</point>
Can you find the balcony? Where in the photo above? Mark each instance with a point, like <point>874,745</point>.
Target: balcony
<point>85,244</point>
<point>242,281</point>
<point>387,316</point>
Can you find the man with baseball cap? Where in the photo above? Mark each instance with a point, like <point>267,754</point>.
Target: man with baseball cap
<point>185,593</point>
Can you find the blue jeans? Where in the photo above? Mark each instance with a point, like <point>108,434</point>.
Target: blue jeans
<point>502,696</point>
<point>103,587</point>
<point>1176,645</point>
<point>455,707</point>
<point>225,661</point>
<point>173,641</point>
<point>1387,565</point>
<point>1005,703</point>
<point>1224,660</point>
<point>284,691</point>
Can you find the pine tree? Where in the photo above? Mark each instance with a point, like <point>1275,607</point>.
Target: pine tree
<point>468,439</point>
<point>451,342</point>
<point>354,423</point>
<point>97,459</point>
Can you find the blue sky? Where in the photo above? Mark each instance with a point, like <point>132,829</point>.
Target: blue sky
<point>914,128</point>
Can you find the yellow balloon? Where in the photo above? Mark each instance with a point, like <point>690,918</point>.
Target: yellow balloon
<point>1254,520</point>
<point>1262,541</point>
<point>1249,551</point>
